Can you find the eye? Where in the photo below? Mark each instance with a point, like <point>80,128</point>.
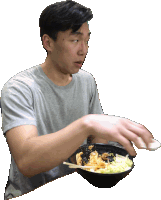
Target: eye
<point>75,41</point>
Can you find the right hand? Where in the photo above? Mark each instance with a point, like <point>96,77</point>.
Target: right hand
<point>120,130</point>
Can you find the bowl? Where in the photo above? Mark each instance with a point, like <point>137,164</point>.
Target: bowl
<point>97,179</point>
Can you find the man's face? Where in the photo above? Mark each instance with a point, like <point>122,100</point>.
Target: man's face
<point>69,49</point>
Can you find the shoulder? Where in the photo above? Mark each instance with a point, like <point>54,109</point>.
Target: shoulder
<point>25,78</point>
<point>84,73</point>
<point>86,82</point>
<point>85,76</point>
<point>21,84</point>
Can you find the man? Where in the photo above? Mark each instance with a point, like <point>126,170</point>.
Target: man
<point>51,109</point>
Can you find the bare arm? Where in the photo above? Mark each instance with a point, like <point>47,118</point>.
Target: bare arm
<point>111,128</point>
<point>35,154</point>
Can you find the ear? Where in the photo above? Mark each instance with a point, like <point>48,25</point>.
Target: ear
<point>47,42</point>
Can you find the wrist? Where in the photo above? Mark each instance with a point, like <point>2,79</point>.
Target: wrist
<point>89,125</point>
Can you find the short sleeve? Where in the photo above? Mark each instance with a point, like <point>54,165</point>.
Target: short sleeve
<point>17,105</point>
<point>95,105</point>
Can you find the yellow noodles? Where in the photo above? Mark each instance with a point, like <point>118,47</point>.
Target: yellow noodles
<point>119,164</point>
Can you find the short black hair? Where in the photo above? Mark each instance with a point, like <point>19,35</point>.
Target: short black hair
<point>63,16</point>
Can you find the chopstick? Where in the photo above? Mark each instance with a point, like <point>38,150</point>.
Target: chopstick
<point>71,165</point>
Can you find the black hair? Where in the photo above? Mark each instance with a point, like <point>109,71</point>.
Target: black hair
<point>63,16</point>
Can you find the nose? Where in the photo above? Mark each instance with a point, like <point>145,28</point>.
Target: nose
<point>83,49</point>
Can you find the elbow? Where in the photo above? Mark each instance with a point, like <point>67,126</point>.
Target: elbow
<point>25,170</point>
<point>27,173</point>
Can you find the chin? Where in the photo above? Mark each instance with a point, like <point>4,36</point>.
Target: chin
<point>75,71</point>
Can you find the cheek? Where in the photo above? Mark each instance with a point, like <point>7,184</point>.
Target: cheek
<point>70,54</point>
<point>66,52</point>
<point>57,52</point>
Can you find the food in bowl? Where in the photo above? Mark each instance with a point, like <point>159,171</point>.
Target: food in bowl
<point>100,163</point>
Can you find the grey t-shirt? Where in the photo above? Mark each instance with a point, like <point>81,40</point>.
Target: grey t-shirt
<point>30,97</point>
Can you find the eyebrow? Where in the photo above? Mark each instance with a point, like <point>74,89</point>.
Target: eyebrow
<point>79,33</point>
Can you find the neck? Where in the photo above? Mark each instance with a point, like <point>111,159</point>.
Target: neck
<point>54,74</point>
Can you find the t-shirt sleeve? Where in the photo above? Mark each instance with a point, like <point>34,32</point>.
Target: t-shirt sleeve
<point>17,105</point>
<point>95,105</point>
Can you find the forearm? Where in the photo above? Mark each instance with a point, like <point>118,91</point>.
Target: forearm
<point>48,151</point>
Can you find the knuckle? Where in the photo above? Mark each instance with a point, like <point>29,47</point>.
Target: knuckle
<point>142,132</point>
<point>142,128</point>
<point>124,119</point>
<point>134,138</point>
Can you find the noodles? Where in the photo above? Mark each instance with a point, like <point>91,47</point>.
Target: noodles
<point>96,160</point>
<point>90,147</point>
<point>79,158</point>
<point>120,163</point>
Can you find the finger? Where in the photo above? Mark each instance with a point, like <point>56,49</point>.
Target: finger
<point>142,132</point>
<point>133,126</point>
<point>127,145</point>
<point>132,137</point>
<point>136,139</point>
<point>139,126</point>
